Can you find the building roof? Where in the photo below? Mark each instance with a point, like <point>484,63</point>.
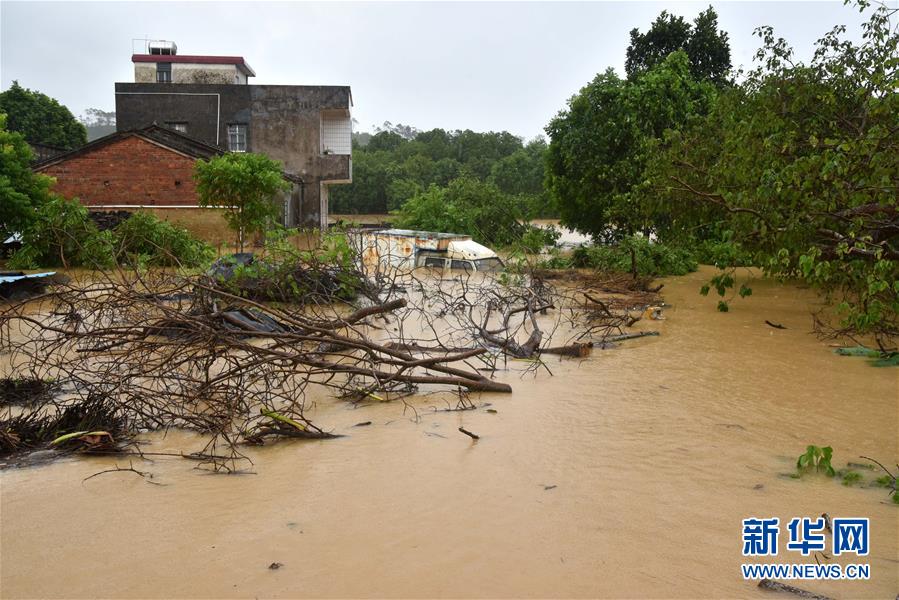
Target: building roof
<point>237,61</point>
<point>155,134</point>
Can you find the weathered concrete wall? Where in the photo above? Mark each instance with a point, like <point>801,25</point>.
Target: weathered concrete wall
<point>189,73</point>
<point>130,172</point>
<point>210,74</point>
<point>145,72</point>
<point>283,122</point>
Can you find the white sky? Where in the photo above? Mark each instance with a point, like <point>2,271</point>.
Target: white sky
<point>482,66</point>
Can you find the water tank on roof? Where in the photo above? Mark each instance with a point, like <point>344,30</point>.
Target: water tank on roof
<point>162,47</point>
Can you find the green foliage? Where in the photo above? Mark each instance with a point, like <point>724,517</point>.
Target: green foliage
<point>535,239</point>
<point>467,205</point>
<point>150,241</point>
<point>63,235</point>
<point>284,273</point>
<point>650,258</point>
<point>705,45</point>
<point>21,190</point>
<point>801,163</point>
<point>879,358</point>
<point>245,184</point>
<point>601,144</point>
<point>720,252</point>
<point>816,459</point>
<point>40,118</point>
<point>851,478</point>
<point>394,167</point>
<point>885,481</point>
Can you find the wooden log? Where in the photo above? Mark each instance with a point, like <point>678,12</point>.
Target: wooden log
<point>629,336</point>
<point>576,349</point>
<point>473,436</point>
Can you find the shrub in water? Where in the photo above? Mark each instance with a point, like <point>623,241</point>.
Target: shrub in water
<point>148,240</point>
<point>650,258</point>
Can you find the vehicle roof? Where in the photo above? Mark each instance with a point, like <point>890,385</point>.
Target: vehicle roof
<point>432,235</point>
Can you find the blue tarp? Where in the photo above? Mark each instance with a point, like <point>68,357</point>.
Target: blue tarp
<point>11,277</point>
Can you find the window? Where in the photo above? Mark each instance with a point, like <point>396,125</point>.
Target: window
<point>434,263</point>
<point>237,137</point>
<point>163,72</point>
<point>336,133</point>
<point>489,264</point>
<point>462,265</point>
<point>182,127</point>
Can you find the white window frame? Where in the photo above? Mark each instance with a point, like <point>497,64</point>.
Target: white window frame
<point>237,137</point>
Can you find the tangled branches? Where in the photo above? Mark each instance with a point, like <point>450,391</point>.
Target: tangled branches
<point>161,349</point>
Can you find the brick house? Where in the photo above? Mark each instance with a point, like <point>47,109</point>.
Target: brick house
<point>149,168</point>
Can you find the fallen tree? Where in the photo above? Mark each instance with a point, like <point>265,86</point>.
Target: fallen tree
<point>165,349</point>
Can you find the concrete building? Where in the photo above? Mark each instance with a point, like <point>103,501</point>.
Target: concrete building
<point>307,128</point>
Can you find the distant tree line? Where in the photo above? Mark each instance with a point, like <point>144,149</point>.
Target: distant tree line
<point>399,163</point>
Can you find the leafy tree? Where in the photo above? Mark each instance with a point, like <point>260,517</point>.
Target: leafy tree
<point>41,119</point>
<point>521,174</point>
<point>372,175</point>
<point>705,45</point>
<point>62,234</point>
<point>801,164</point>
<point>21,190</point>
<point>392,167</point>
<point>245,185</point>
<point>385,140</point>
<point>148,240</point>
<point>601,142</point>
<point>468,206</point>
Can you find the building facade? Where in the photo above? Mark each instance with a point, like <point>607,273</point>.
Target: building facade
<point>149,168</point>
<point>307,128</point>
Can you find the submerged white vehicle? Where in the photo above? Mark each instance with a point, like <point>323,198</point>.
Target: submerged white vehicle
<point>407,249</point>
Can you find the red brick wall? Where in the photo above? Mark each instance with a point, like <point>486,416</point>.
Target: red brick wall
<point>131,171</point>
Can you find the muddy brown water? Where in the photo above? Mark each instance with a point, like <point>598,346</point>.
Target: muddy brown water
<point>657,450</point>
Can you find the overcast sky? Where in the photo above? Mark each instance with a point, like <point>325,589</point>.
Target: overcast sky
<point>482,66</point>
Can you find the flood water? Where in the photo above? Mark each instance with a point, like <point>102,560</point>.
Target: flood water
<point>657,450</point>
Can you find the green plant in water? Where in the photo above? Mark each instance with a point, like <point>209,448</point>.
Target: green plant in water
<point>851,478</point>
<point>816,459</point>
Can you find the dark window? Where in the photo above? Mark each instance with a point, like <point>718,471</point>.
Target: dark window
<point>237,137</point>
<point>181,126</point>
<point>163,72</point>
<point>434,262</point>
<point>489,264</point>
<point>462,264</point>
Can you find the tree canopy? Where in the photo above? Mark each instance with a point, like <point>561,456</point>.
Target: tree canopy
<point>706,46</point>
<point>801,164</point>
<point>392,167</point>
<point>245,185</point>
<point>22,191</point>
<point>40,118</point>
<point>601,143</point>
<point>466,205</point>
